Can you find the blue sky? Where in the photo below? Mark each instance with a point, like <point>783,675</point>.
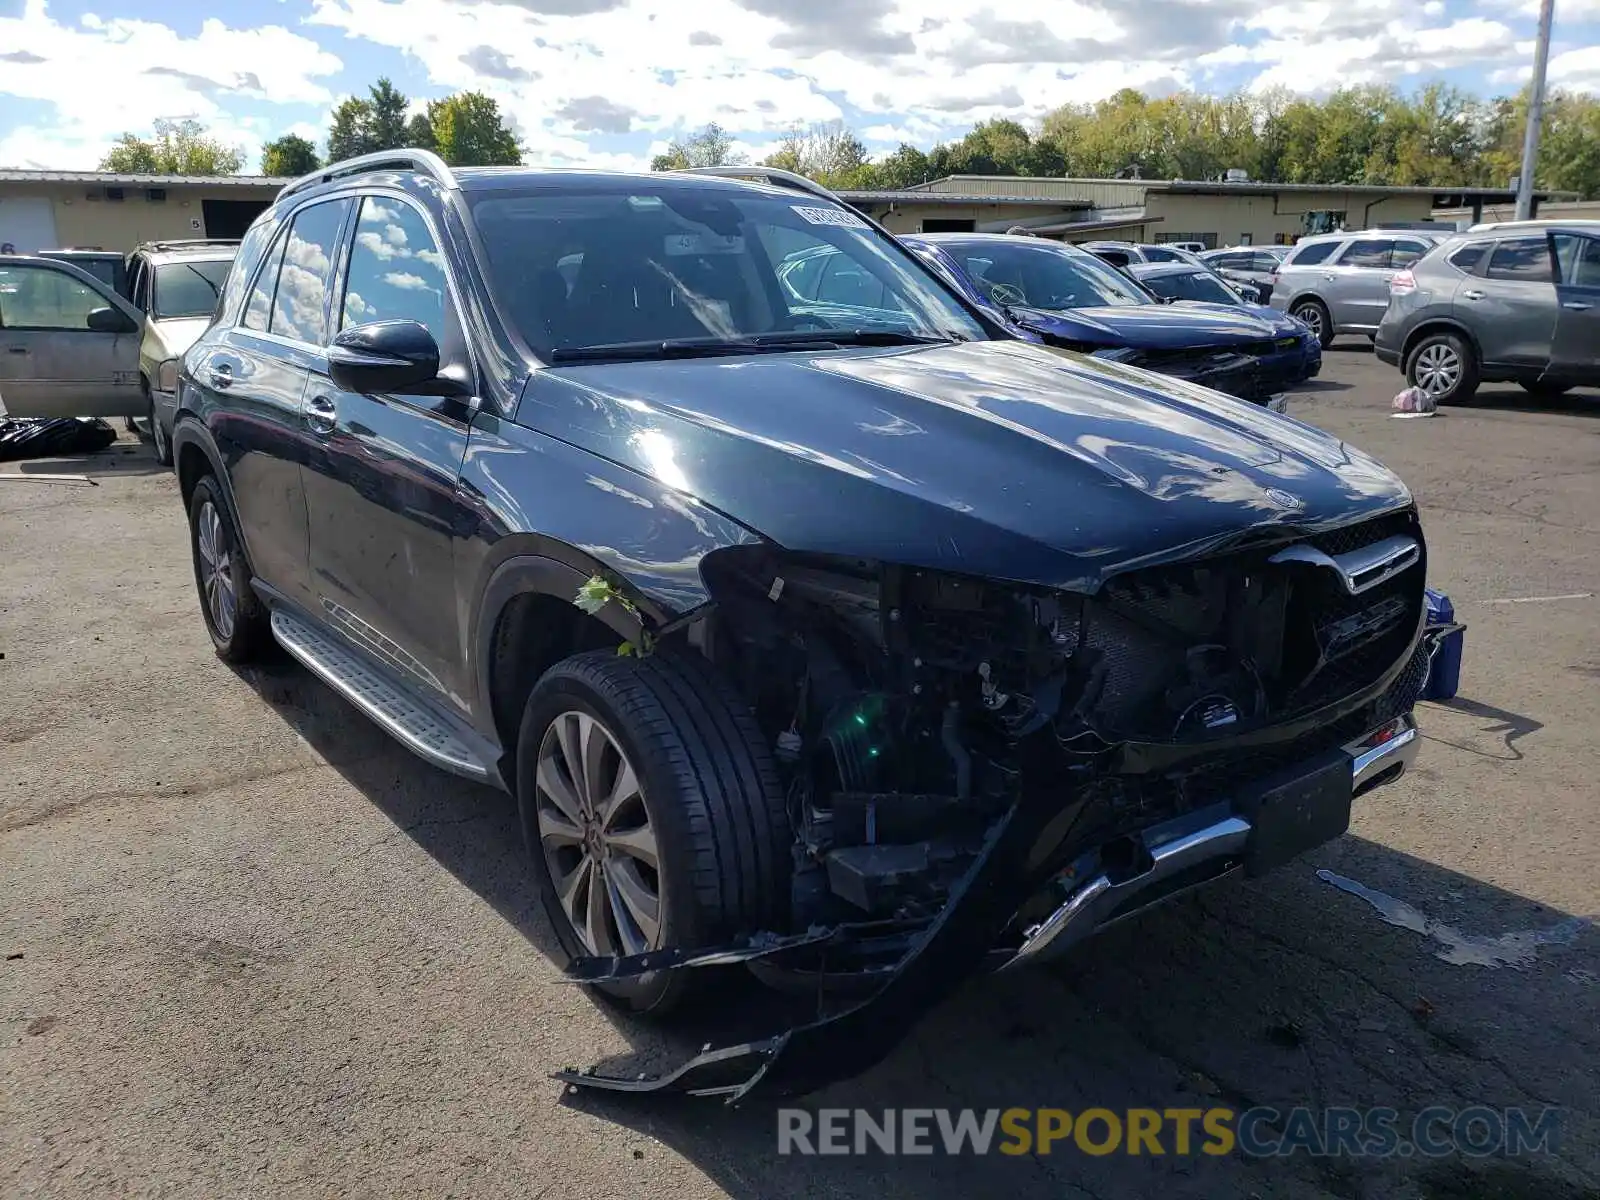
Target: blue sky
<point>608,82</point>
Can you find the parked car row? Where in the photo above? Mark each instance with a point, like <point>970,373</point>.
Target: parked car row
<point>1064,296</point>
<point>93,333</point>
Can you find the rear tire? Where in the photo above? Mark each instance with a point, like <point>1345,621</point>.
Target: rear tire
<point>1444,366</point>
<point>235,618</point>
<point>1545,391</point>
<point>1314,313</point>
<point>681,774</point>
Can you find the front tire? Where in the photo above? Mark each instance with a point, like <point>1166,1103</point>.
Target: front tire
<point>1444,366</point>
<point>235,617</point>
<point>1314,315</point>
<point>652,811</point>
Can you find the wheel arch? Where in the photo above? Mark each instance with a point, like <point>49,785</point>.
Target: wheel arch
<point>527,619</point>
<point>1438,325</point>
<point>195,454</point>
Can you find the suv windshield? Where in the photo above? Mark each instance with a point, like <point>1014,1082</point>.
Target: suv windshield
<point>652,268</point>
<point>1191,285</point>
<point>188,288</point>
<point>1043,275</point>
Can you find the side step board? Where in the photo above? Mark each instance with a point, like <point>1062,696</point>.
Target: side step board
<point>416,727</point>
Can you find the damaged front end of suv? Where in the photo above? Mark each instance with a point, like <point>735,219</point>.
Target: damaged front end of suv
<point>980,773</point>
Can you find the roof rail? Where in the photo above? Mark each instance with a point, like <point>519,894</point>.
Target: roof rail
<point>186,243</point>
<point>424,162</point>
<point>774,176</point>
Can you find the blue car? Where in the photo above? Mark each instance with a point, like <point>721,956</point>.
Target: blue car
<point>1057,294</point>
<point>1187,284</point>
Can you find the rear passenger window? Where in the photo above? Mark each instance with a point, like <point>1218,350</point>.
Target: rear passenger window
<point>244,263</point>
<point>1370,252</point>
<point>396,270</point>
<point>1316,252</point>
<point>258,309</point>
<point>298,307</point>
<point>1527,259</point>
<point>1406,253</point>
<point>1468,257</point>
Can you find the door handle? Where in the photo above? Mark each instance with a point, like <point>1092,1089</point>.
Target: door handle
<point>1472,294</point>
<point>16,349</point>
<point>1576,305</point>
<point>322,415</point>
<point>221,376</point>
<point>1327,275</point>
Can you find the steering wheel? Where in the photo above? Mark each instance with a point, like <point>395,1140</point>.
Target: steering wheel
<point>1007,295</point>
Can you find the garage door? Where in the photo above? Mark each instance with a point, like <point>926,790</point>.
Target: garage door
<point>28,223</point>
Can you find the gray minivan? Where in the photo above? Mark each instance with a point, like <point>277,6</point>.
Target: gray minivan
<point>1339,282</point>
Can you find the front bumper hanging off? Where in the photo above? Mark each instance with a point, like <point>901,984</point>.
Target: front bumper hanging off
<point>963,939</point>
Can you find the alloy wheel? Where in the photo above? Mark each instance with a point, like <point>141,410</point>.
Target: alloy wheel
<point>216,570</point>
<point>1437,369</point>
<point>597,837</point>
<point>1311,316</point>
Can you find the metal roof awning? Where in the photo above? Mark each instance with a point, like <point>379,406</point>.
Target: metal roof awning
<point>1070,228</point>
<point>114,179</point>
<point>958,198</point>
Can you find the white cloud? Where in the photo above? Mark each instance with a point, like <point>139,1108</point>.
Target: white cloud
<point>147,70</point>
<point>576,75</point>
<point>1576,69</point>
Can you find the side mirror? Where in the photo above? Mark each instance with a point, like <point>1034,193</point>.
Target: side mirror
<point>110,320</point>
<point>383,356</point>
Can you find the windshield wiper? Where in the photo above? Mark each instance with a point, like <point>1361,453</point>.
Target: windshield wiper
<point>763,343</point>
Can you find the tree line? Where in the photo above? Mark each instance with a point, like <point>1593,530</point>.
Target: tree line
<point>1439,137</point>
<point>466,130</point>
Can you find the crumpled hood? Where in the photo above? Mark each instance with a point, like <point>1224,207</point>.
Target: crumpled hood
<point>1151,326</point>
<point>176,334</point>
<point>1003,459</point>
<point>1281,324</point>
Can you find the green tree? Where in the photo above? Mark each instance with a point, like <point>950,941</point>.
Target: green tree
<point>178,148</point>
<point>363,126</point>
<point>903,168</point>
<point>711,146</point>
<point>829,153</point>
<point>419,132</point>
<point>289,155</point>
<point>470,132</point>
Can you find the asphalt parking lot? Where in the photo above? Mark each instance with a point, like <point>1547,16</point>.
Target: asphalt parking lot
<point>253,947</point>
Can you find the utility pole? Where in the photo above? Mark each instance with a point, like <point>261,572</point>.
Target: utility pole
<point>1530,139</point>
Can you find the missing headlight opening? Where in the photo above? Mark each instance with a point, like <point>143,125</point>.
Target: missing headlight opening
<point>978,771</point>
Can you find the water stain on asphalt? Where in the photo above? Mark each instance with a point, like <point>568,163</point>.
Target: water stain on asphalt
<point>1517,949</point>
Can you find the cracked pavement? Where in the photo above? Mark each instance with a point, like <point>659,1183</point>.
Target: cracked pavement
<point>253,947</point>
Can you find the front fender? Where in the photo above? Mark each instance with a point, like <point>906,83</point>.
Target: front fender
<point>550,515</point>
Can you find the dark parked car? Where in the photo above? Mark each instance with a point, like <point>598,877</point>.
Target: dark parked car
<point>1256,266</point>
<point>1514,302</point>
<point>1065,297</point>
<point>865,645</point>
<point>1180,283</point>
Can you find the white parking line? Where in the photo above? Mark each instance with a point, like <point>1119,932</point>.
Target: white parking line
<point>1540,599</point>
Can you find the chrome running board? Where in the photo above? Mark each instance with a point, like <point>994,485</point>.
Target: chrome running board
<point>412,724</point>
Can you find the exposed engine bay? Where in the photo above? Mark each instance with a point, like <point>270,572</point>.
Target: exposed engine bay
<point>895,697</point>
<point>949,744</point>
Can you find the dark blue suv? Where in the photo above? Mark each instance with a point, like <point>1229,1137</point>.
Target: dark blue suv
<point>855,643</point>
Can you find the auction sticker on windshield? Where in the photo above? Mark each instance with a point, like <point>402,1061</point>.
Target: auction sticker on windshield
<point>829,216</point>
